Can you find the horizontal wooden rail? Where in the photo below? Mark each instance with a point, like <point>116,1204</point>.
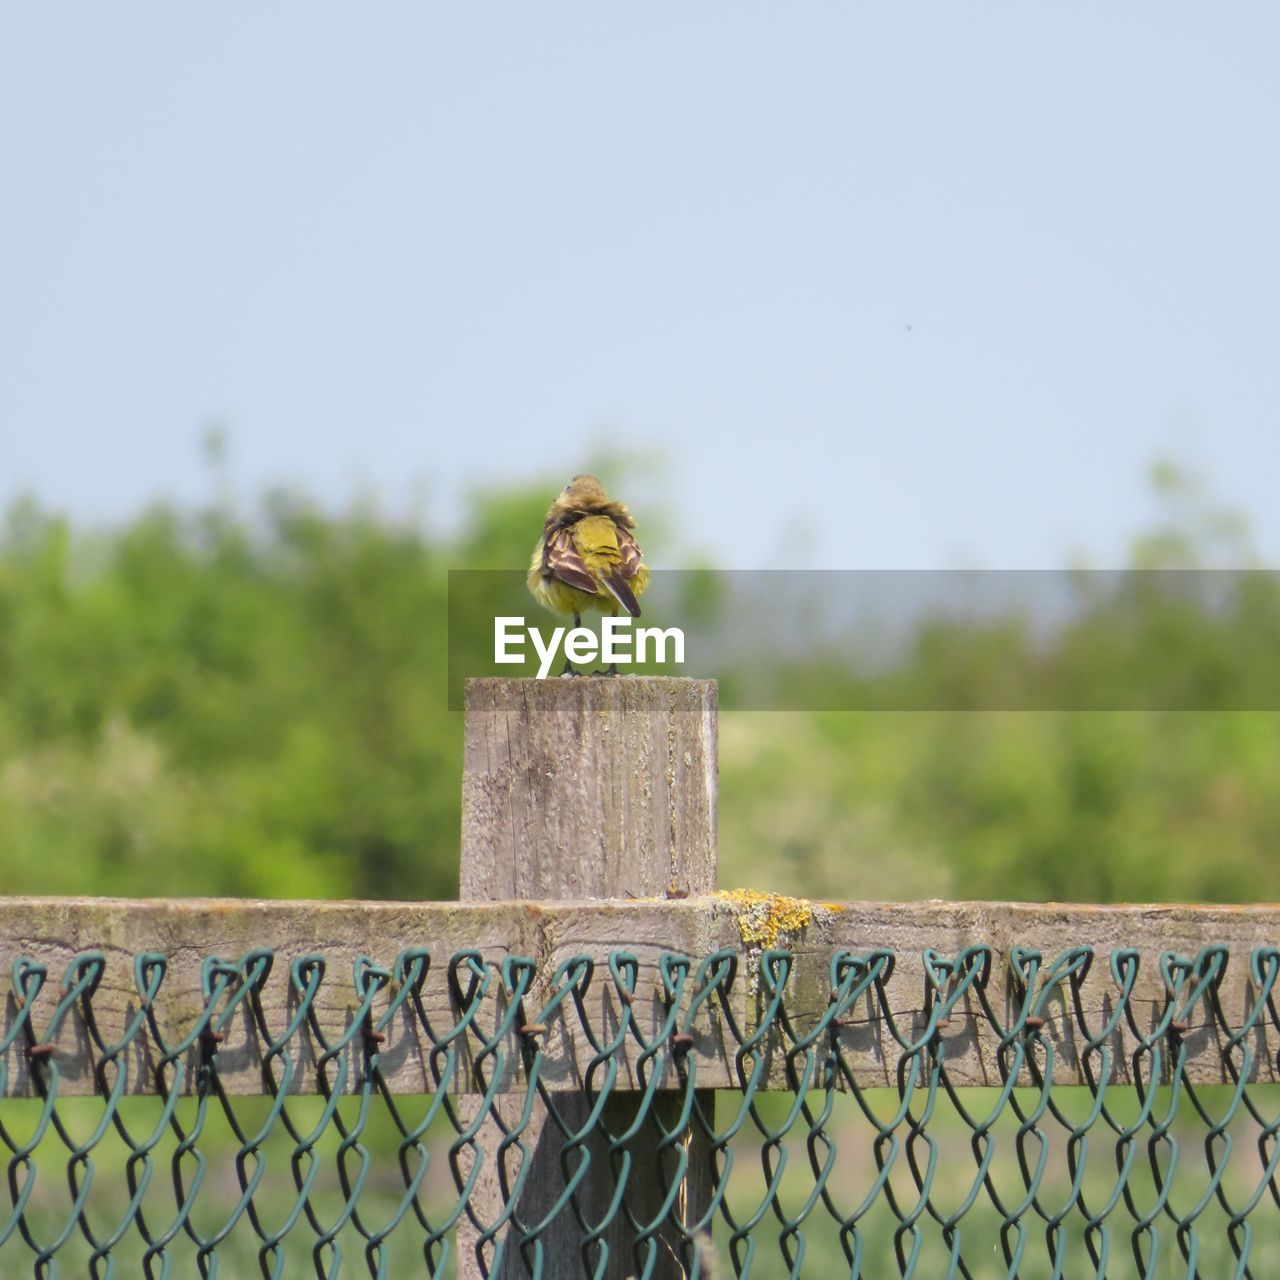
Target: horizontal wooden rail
<point>53,931</point>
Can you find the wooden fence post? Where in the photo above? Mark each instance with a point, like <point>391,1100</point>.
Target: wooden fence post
<point>578,789</point>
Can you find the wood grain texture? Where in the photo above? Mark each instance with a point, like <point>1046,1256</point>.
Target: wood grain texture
<point>588,788</point>
<point>52,931</point>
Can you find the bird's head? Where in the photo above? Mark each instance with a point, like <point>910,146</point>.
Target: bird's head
<point>582,492</point>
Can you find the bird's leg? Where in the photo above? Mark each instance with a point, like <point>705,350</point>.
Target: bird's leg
<point>612,668</point>
<point>569,669</point>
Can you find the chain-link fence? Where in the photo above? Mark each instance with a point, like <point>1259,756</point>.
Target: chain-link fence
<point>754,1111</point>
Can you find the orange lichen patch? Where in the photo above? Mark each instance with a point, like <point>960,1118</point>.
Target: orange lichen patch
<point>764,917</point>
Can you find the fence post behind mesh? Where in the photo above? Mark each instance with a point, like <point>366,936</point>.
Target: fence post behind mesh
<point>575,789</point>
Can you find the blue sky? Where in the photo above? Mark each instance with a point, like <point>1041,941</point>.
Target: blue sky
<point>884,286</point>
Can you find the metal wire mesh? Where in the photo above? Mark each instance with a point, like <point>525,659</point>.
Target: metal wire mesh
<point>804,1167</point>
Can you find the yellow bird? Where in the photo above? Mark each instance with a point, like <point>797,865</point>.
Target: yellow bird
<point>587,557</point>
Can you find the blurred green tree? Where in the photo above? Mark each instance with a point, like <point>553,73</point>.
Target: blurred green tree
<point>252,701</point>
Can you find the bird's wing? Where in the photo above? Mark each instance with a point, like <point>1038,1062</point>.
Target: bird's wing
<point>560,559</point>
<point>621,577</point>
<point>631,555</point>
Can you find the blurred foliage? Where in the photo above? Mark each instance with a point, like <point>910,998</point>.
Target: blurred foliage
<point>251,701</point>
<point>1076,805</point>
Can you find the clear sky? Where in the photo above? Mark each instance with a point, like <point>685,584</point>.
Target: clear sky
<point>882,283</point>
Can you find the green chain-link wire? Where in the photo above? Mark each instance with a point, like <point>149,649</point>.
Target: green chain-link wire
<point>826,1176</point>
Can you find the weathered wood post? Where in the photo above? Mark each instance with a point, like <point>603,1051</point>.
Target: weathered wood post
<point>578,789</point>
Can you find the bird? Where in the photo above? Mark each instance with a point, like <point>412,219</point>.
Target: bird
<point>587,556</point>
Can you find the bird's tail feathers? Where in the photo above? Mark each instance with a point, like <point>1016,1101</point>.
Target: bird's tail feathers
<point>621,591</point>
